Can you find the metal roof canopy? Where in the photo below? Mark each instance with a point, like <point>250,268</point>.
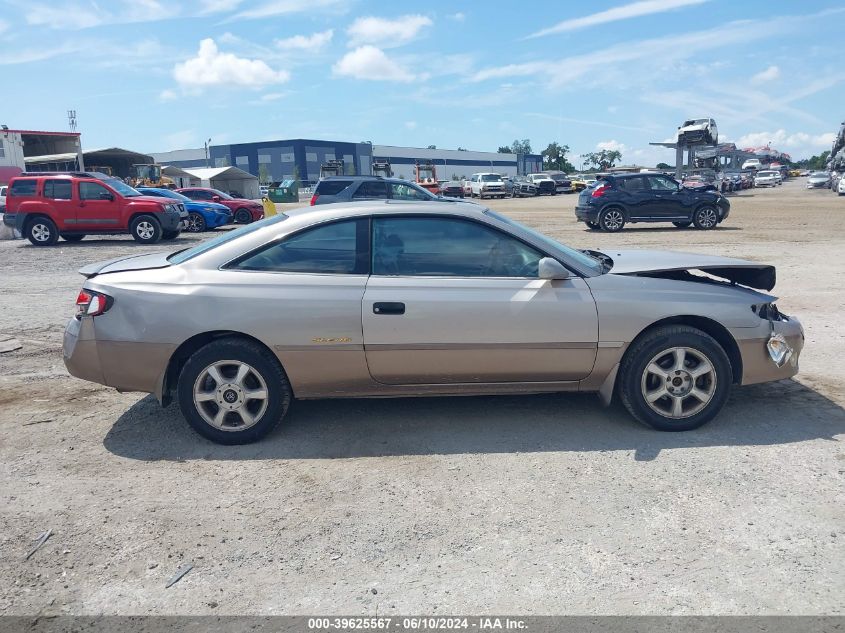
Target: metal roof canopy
<point>217,173</point>
<point>95,157</point>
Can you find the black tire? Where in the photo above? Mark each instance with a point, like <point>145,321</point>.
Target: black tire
<point>243,216</point>
<point>196,223</point>
<point>706,218</point>
<point>652,349</point>
<point>612,220</point>
<point>592,225</point>
<point>145,229</point>
<point>73,238</point>
<point>42,231</point>
<point>262,363</point>
<point>171,235</point>
<point>682,225</point>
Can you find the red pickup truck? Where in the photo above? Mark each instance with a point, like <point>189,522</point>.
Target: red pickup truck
<point>44,206</point>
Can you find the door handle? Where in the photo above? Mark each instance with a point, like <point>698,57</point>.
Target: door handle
<point>389,307</point>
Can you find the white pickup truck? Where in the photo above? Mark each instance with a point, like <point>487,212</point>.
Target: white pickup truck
<point>487,185</point>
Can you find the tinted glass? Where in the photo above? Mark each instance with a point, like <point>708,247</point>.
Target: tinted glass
<point>328,249</point>
<point>632,185</point>
<point>57,189</point>
<point>91,191</point>
<point>371,189</point>
<point>22,188</point>
<point>448,248</point>
<point>401,191</point>
<point>189,253</point>
<point>659,183</point>
<point>331,187</point>
<point>490,177</point>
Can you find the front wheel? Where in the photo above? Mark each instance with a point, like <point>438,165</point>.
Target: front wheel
<point>243,216</point>
<point>682,225</point>
<point>42,232</point>
<point>233,391</point>
<point>145,229</point>
<point>675,378</point>
<point>705,218</point>
<point>612,220</point>
<point>196,223</point>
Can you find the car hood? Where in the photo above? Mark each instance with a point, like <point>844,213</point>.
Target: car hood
<point>120,264</point>
<point>739,271</point>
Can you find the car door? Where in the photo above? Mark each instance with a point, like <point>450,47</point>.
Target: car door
<point>59,191</point>
<point>453,301</point>
<point>97,207</point>
<point>669,198</point>
<point>637,198</point>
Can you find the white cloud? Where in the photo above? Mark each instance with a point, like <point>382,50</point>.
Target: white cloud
<point>458,17</point>
<point>219,6</point>
<point>285,7</point>
<point>612,145</point>
<point>310,43</point>
<point>782,140</point>
<point>625,12</point>
<point>76,15</point>
<point>167,95</point>
<point>4,26</point>
<point>411,125</point>
<point>369,62</point>
<point>770,74</point>
<point>386,33</point>
<point>212,68</point>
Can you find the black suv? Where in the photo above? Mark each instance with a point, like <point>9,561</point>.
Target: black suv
<point>617,199</point>
<point>349,188</point>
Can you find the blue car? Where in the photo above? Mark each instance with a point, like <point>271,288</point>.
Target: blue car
<point>202,215</point>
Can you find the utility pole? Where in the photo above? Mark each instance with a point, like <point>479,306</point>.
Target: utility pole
<point>71,120</point>
<point>207,143</point>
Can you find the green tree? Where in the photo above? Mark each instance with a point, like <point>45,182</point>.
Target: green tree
<point>432,147</point>
<point>263,174</point>
<point>663,166</point>
<point>517,147</point>
<point>296,173</point>
<point>603,159</point>
<point>462,149</point>
<point>504,149</point>
<point>554,157</point>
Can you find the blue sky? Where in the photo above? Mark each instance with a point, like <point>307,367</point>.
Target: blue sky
<point>155,75</point>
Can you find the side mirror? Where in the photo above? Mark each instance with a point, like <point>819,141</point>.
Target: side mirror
<point>549,268</point>
<point>215,198</point>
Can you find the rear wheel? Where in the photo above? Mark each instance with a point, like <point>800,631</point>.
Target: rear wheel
<point>72,238</point>
<point>196,223</point>
<point>145,229</point>
<point>682,225</point>
<point>233,391</point>
<point>243,216</point>
<point>42,231</point>
<point>612,220</point>
<point>705,218</point>
<point>675,378</point>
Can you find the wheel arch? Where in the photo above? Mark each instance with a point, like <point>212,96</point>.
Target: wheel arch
<point>614,205</point>
<point>180,356</point>
<point>707,325</point>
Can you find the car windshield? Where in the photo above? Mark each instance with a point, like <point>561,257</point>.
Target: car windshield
<point>189,253</point>
<point>490,177</point>
<point>591,263</point>
<point>122,188</point>
<point>166,193</point>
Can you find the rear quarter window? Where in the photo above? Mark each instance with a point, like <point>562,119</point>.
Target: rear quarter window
<point>22,188</point>
<point>331,187</point>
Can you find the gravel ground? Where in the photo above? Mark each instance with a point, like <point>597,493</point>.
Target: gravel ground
<point>531,505</point>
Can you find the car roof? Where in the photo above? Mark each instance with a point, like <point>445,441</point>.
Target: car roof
<point>323,212</point>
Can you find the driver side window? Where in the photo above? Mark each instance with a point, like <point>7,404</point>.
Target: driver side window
<point>448,247</point>
<point>404,192</point>
<point>659,183</point>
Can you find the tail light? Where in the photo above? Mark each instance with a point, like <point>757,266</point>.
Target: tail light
<point>314,199</point>
<point>599,191</point>
<point>90,303</point>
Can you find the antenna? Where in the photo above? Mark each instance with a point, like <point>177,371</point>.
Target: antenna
<point>71,119</point>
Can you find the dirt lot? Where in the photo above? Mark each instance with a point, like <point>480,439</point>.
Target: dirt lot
<point>536,504</point>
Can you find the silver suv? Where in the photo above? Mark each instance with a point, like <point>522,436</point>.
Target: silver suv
<point>349,188</point>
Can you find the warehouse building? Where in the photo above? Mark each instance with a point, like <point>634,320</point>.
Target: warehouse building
<point>300,159</point>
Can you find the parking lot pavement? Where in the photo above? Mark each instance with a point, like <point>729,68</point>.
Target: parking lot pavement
<point>534,504</point>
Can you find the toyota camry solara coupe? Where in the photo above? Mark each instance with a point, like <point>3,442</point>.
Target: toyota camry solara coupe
<point>390,298</point>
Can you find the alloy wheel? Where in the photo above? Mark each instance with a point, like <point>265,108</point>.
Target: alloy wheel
<point>41,232</point>
<point>230,395</point>
<point>613,220</point>
<point>678,382</point>
<point>707,218</point>
<point>145,230</point>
